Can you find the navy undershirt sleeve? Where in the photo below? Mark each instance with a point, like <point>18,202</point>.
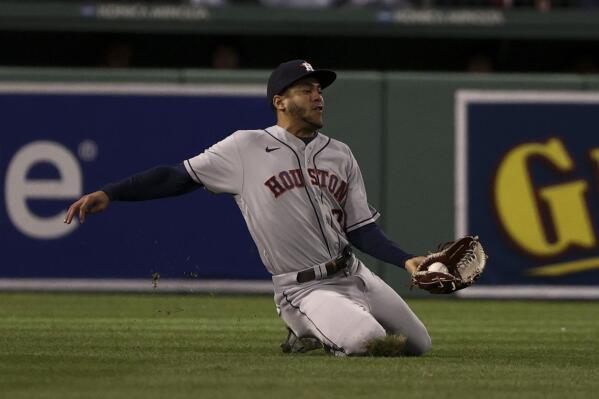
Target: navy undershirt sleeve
<point>159,182</point>
<point>372,240</point>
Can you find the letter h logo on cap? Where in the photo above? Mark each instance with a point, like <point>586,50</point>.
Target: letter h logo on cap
<point>308,67</point>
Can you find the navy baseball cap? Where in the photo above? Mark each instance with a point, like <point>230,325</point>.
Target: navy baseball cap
<point>290,72</point>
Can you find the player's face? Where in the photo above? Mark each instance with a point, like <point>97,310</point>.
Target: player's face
<point>305,104</point>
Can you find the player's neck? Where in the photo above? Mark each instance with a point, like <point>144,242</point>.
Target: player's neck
<point>302,132</point>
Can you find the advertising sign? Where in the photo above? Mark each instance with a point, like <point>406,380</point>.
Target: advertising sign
<point>59,141</point>
<point>527,173</point>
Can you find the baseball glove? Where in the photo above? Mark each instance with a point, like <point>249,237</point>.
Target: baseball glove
<point>462,260</point>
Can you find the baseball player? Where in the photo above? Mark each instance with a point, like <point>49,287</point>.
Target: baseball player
<point>303,198</point>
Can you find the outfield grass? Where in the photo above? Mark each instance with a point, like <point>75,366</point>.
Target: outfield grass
<point>154,346</point>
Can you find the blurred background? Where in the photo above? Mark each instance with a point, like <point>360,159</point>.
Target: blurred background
<point>424,35</point>
<point>467,117</point>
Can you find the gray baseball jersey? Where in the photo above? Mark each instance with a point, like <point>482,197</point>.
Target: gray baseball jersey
<point>298,200</point>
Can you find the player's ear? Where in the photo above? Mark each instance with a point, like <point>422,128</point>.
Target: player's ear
<point>278,103</point>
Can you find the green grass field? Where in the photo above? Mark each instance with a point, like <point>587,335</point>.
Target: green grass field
<point>179,346</point>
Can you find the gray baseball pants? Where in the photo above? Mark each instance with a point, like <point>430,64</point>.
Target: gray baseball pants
<point>347,310</point>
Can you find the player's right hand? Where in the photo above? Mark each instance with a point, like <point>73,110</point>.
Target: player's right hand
<point>90,203</point>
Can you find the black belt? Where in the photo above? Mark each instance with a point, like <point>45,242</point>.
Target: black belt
<point>331,267</point>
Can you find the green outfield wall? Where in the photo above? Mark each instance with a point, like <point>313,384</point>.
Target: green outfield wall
<point>399,125</point>
<point>418,176</point>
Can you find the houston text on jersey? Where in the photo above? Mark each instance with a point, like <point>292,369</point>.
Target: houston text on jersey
<point>289,179</point>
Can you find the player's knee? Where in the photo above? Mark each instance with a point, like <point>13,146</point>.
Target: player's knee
<point>356,342</point>
<point>418,344</point>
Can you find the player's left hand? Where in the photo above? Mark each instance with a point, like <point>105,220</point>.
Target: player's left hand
<point>454,266</point>
<point>412,263</point>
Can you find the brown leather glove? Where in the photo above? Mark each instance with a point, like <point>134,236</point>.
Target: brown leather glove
<point>462,260</point>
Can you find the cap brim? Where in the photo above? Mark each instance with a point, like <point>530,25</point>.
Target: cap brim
<point>324,77</point>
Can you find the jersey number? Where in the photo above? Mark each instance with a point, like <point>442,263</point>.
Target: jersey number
<point>338,213</point>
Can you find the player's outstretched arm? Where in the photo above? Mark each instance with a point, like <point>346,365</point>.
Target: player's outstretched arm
<point>372,240</point>
<point>90,203</point>
<point>159,182</point>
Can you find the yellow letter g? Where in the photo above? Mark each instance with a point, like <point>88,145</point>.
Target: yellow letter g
<point>518,208</point>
